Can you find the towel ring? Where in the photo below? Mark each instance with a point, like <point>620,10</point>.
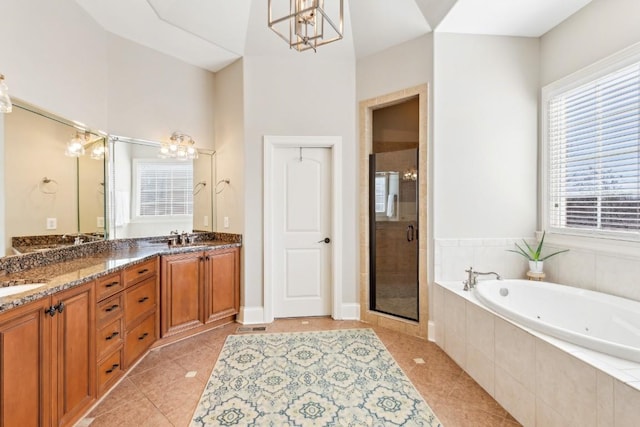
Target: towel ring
<point>198,187</point>
<point>43,186</point>
<point>226,181</point>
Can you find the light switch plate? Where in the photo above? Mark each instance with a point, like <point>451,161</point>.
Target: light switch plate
<point>52,223</point>
<point>226,222</point>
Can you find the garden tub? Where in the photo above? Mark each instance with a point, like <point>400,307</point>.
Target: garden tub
<point>594,320</point>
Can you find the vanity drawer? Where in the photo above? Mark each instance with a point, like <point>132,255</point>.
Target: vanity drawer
<point>109,371</point>
<point>139,300</point>
<point>141,271</point>
<point>111,308</point>
<point>139,339</point>
<point>108,285</point>
<point>109,338</point>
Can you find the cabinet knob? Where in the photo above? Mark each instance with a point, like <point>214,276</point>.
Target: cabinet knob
<point>144,270</point>
<point>51,311</point>
<point>143,336</point>
<point>143,299</point>
<point>60,307</point>
<point>109,285</point>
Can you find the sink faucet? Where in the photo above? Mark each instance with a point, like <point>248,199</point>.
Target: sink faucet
<point>472,278</point>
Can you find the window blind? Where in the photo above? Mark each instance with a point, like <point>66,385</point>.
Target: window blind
<point>594,154</point>
<point>164,188</point>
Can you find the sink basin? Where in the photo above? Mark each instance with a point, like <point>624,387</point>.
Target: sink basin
<point>16,289</point>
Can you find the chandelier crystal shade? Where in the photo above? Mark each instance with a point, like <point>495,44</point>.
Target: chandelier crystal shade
<point>307,24</point>
<point>180,146</point>
<point>5,101</point>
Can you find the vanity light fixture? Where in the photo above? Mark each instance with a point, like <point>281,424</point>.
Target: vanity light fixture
<point>97,152</point>
<point>180,146</point>
<point>75,147</point>
<point>5,101</point>
<point>307,24</point>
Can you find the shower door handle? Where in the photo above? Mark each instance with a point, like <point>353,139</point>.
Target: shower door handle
<point>410,233</point>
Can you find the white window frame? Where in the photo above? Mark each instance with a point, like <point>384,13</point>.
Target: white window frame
<point>135,217</point>
<point>587,239</point>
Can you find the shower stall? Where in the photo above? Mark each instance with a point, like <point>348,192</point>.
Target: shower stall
<point>394,232</point>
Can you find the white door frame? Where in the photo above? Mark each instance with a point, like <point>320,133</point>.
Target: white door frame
<point>271,144</point>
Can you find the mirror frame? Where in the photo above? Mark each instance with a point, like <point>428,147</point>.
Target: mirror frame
<point>72,124</point>
<point>110,177</point>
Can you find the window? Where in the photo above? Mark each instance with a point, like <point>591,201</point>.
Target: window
<point>163,188</point>
<point>592,153</point>
<point>381,192</point>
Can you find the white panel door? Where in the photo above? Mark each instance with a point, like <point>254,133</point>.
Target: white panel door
<point>301,223</point>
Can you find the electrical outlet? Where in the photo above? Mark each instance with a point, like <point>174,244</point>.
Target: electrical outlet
<point>205,221</point>
<point>100,222</point>
<point>226,222</point>
<point>52,223</point>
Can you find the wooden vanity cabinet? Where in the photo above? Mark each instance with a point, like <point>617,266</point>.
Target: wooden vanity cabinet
<point>109,331</point>
<point>126,320</point>
<point>73,352</point>
<point>25,365</point>
<point>222,283</point>
<point>47,356</point>
<point>181,292</point>
<point>199,288</point>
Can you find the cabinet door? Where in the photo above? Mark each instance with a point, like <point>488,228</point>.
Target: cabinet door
<point>222,283</point>
<point>73,352</point>
<point>181,292</point>
<point>25,334</point>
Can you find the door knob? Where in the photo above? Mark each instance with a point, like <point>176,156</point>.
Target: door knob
<point>325,240</point>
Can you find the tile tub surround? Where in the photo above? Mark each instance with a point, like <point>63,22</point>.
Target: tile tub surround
<point>65,268</point>
<point>453,256</point>
<point>540,380</point>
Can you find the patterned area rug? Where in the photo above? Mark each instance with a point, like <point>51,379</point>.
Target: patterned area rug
<point>327,378</point>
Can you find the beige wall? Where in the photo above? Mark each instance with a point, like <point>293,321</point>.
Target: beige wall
<point>54,56</point>
<point>91,193</point>
<point>35,149</point>
<point>229,99</point>
<point>601,28</point>
<point>485,141</point>
<point>151,95</point>
<point>297,95</point>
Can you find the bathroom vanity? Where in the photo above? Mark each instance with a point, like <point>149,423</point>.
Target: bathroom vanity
<point>94,310</point>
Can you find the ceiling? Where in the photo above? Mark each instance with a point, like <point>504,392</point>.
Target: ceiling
<point>211,34</point>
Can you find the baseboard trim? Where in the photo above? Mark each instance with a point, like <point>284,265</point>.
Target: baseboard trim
<point>350,311</point>
<point>431,331</point>
<point>251,315</point>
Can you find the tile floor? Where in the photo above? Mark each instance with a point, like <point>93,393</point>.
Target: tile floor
<point>164,388</point>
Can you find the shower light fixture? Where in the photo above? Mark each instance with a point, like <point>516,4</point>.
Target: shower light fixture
<point>410,174</point>
<point>5,101</point>
<point>307,24</point>
<point>180,146</point>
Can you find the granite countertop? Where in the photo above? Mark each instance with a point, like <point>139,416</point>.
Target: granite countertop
<point>84,268</point>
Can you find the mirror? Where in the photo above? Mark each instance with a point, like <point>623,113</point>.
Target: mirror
<point>152,196</point>
<point>47,194</point>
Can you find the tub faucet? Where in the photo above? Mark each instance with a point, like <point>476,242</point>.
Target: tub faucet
<point>472,278</point>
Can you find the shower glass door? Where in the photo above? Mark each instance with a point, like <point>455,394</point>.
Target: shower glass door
<point>393,213</point>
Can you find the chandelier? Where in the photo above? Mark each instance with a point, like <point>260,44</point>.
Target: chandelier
<point>180,146</point>
<point>308,21</point>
